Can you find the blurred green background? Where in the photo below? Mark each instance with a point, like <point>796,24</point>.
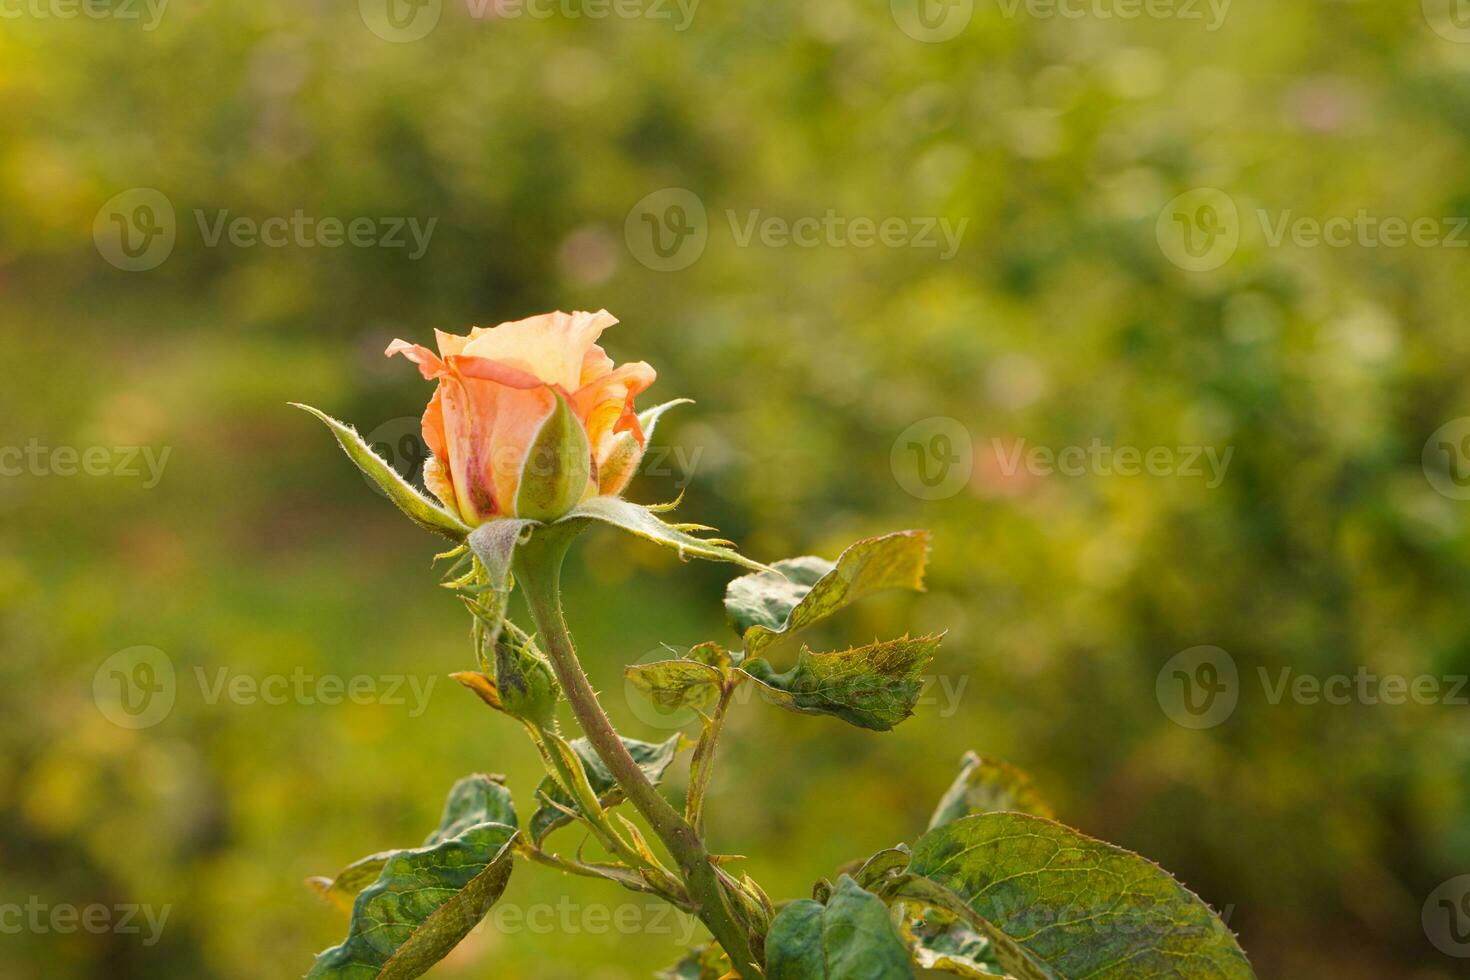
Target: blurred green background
<point>1061,319</point>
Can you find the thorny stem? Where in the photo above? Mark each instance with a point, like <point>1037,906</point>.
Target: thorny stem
<point>538,569</point>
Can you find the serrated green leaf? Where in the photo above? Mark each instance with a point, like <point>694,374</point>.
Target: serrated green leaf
<point>423,904</point>
<point>675,685</point>
<point>653,758</point>
<point>1059,905</point>
<point>413,906</point>
<point>342,890</point>
<point>477,799</point>
<point>800,591</point>
<point>767,600</point>
<point>851,937</point>
<point>638,520</point>
<point>987,786</point>
<point>419,508</point>
<point>874,686</point>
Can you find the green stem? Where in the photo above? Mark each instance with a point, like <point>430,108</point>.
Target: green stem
<point>538,570</point>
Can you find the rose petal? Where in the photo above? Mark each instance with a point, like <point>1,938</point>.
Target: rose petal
<point>552,346</point>
<point>430,366</point>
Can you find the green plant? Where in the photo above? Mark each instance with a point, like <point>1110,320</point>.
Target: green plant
<point>994,887</point>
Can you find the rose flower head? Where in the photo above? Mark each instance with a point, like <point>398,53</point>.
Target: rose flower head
<point>530,418</point>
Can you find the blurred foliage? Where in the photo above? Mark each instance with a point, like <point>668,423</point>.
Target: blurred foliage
<point>1320,829</point>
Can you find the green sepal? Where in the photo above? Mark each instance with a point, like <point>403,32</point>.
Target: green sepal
<point>1058,905</point>
<point>420,509</point>
<point>557,467</point>
<point>850,937</point>
<point>642,522</point>
<point>798,592</point>
<point>874,686</point>
<point>494,544</point>
<point>523,684</point>
<point>987,786</point>
<point>653,758</point>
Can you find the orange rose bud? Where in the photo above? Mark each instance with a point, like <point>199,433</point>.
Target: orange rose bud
<point>530,418</point>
